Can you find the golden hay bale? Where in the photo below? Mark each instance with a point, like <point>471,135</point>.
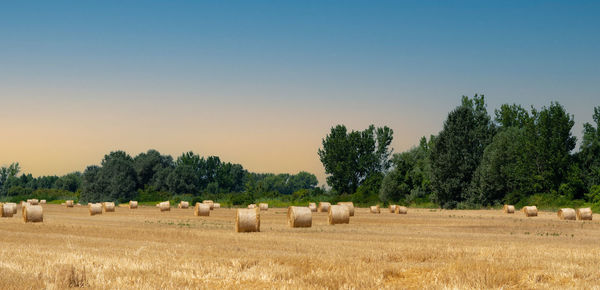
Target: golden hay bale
<point>350,206</point>
<point>133,204</point>
<point>584,214</point>
<point>247,220</point>
<point>201,209</point>
<point>263,206</point>
<point>6,210</point>
<point>108,206</point>
<point>33,214</point>
<point>183,204</point>
<point>392,208</point>
<point>69,203</point>
<point>299,217</point>
<point>401,210</point>
<point>43,201</point>
<point>95,208</point>
<point>210,203</point>
<point>375,209</point>
<point>13,207</point>
<point>312,206</point>
<point>324,206</point>
<point>165,206</point>
<point>216,205</point>
<point>508,208</point>
<point>33,201</point>
<point>566,214</point>
<point>530,211</point>
<point>338,214</point>
<point>252,205</point>
<point>24,205</point>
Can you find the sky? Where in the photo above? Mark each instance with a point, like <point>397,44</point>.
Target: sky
<point>261,83</point>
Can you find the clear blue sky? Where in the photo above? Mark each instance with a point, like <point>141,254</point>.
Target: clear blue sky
<point>268,64</point>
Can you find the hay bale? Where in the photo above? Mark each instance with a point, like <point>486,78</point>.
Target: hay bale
<point>133,204</point>
<point>566,214</point>
<point>299,217</point>
<point>108,206</point>
<point>324,206</point>
<point>216,205</point>
<point>201,209</point>
<point>183,204</point>
<point>530,211</point>
<point>263,206</point>
<point>13,207</point>
<point>375,209</point>
<point>6,210</point>
<point>69,203</point>
<point>95,208</point>
<point>23,206</point>
<point>338,214</point>
<point>43,201</point>
<point>33,214</point>
<point>165,206</point>
<point>392,208</point>
<point>401,210</point>
<point>33,201</point>
<point>350,206</point>
<point>252,206</point>
<point>312,206</point>
<point>247,220</point>
<point>509,208</point>
<point>210,203</point>
<point>584,214</point>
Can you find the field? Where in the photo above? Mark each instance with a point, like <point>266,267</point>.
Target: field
<point>147,249</point>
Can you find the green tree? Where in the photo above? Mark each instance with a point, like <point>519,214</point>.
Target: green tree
<point>590,151</point>
<point>119,176</point>
<point>351,158</point>
<point>148,164</point>
<point>458,149</point>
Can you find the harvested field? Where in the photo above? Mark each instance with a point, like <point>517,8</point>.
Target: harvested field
<point>149,249</point>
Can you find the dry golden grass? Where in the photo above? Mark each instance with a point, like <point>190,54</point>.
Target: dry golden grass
<point>149,249</point>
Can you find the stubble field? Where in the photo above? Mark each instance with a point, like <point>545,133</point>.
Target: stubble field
<point>147,249</point>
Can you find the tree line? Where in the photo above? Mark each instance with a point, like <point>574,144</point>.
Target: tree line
<point>151,176</point>
<point>475,160</point>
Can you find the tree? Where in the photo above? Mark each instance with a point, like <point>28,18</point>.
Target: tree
<point>458,150</point>
<point>92,187</point>
<point>590,151</point>
<point>351,158</point>
<point>6,172</point>
<point>148,164</point>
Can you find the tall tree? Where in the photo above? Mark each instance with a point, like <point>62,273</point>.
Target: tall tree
<point>458,150</point>
<point>351,158</point>
<point>590,151</point>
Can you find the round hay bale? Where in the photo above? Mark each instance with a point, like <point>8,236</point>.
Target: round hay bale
<point>350,206</point>
<point>584,214</point>
<point>33,201</point>
<point>69,203</point>
<point>401,210</point>
<point>566,214</point>
<point>183,204</point>
<point>95,208</point>
<point>324,206</point>
<point>201,209</point>
<point>392,208</point>
<point>33,214</point>
<point>210,203</point>
<point>6,210</point>
<point>108,206</point>
<point>299,217</point>
<point>509,208</point>
<point>338,214</point>
<point>252,206</point>
<point>165,206</point>
<point>13,207</point>
<point>24,205</point>
<point>375,209</point>
<point>216,205</point>
<point>530,211</point>
<point>133,204</point>
<point>43,201</point>
<point>247,220</point>
<point>263,206</point>
<point>312,206</point>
